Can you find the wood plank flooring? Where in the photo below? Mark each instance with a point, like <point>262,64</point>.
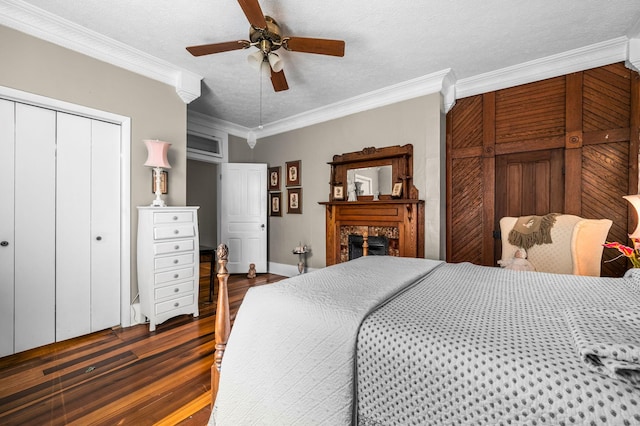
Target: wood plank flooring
<point>122,375</point>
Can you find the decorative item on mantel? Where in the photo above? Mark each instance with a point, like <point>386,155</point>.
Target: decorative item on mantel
<point>157,158</point>
<point>301,251</point>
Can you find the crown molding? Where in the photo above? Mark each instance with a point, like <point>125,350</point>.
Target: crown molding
<point>39,23</point>
<point>633,55</point>
<point>592,56</point>
<point>441,81</point>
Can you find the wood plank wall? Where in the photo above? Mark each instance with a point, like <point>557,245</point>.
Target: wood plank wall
<point>592,117</point>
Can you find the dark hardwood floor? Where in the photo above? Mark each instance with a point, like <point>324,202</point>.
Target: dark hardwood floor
<point>123,375</point>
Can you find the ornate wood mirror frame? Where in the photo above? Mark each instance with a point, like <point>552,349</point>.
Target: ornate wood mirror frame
<point>400,158</point>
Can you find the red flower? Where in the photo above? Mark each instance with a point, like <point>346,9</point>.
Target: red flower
<point>631,253</point>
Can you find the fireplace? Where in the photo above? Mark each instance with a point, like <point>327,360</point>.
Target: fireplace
<point>397,216</point>
<point>378,246</point>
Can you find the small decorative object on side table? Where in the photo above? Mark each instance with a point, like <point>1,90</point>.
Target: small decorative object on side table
<point>301,251</point>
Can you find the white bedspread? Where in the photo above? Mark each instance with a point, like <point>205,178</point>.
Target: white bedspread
<point>302,332</point>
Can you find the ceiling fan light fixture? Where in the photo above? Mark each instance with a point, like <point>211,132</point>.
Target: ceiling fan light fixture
<point>275,62</point>
<point>256,59</point>
<point>252,139</point>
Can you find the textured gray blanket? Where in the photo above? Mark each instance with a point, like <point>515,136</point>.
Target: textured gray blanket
<point>477,345</point>
<point>608,341</point>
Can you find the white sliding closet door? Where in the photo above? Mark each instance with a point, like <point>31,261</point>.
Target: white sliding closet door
<point>88,227</point>
<point>7,240</point>
<point>105,229</point>
<point>60,226</point>
<point>34,226</point>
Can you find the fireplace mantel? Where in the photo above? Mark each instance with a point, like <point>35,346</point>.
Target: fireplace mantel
<point>407,215</point>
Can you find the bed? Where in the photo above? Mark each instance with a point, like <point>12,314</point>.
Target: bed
<point>383,340</point>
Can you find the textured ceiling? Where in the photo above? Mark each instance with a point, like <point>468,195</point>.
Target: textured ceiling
<point>387,42</point>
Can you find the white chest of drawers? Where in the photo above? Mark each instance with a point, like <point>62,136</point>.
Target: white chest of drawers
<point>168,262</point>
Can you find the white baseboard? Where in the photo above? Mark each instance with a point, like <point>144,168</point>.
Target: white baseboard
<point>285,270</point>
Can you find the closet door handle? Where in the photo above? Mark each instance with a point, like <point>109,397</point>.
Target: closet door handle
<point>4,243</point>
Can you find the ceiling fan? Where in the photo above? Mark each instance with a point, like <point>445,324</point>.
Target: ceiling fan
<point>264,34</point>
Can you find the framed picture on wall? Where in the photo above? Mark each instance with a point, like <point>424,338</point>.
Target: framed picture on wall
<point>275,204</point>
<point>293,173</point>
<point>164,182</point>
<point>274,178</point>
<point>338,193</point>
<point>294,201</point>
<point>397,190</point>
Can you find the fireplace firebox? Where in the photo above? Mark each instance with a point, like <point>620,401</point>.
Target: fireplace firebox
<point>378,246</point>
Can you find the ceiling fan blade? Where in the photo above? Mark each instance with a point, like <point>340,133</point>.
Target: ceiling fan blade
<point>315,45</point>
<point>279,81</point>
<point>207,49</point>
<point>253,12</point>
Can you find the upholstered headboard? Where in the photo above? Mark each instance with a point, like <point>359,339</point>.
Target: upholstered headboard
<point>576,248</point>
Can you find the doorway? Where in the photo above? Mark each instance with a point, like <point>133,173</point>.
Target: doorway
<point>202,190</point>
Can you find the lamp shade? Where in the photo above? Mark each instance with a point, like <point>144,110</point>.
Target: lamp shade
<point>275,62</point>
<point>255,59</point>
<point>635,202</point>
<point>157,153</point>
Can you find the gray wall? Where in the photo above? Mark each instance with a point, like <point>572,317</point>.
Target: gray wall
<point>35,66</point>
<point>417,121</point>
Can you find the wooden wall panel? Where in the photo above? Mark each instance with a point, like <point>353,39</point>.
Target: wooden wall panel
<point>591,116</point>
<point>606,98</point>
<point>467,123</point>
<point>531,112</point>
<point>603,185</point>
<point>467,197</point>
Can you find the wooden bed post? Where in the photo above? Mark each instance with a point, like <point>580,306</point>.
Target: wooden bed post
<point>223,324</point>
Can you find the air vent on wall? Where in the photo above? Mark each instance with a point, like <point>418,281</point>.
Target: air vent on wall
<point>204,148</point>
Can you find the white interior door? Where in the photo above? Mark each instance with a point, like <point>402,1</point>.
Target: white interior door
<point>87,226</point>
<point>105,225</point>
<point>34,224</point>
<point>243,215</point>
<point>7,239</point>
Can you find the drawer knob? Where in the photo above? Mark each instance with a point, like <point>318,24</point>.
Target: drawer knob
<point>176,247</point>
<point>4,243</point>
<point>175,290</point>
<point>176,231</point>
<point>175,275</point>
<point>175,218</point>
<point>99,238</point>
<point>175,261</point>
<point>176,304</point>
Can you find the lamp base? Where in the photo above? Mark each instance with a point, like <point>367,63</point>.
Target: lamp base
<point>158,203</point>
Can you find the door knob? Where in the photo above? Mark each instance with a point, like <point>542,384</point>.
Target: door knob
<point>4,243</point>
<point>99,238</point>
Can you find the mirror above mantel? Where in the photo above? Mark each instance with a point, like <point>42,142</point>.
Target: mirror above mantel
<point>373,174</point>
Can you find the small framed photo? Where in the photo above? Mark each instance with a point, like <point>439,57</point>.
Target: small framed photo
<point>294,201</point>
<point>338,193</point>
<point>275,204</point>
<point>397,190</point>
<point>274,178</point>
<point>164,182</point>
<point>293,173</point>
